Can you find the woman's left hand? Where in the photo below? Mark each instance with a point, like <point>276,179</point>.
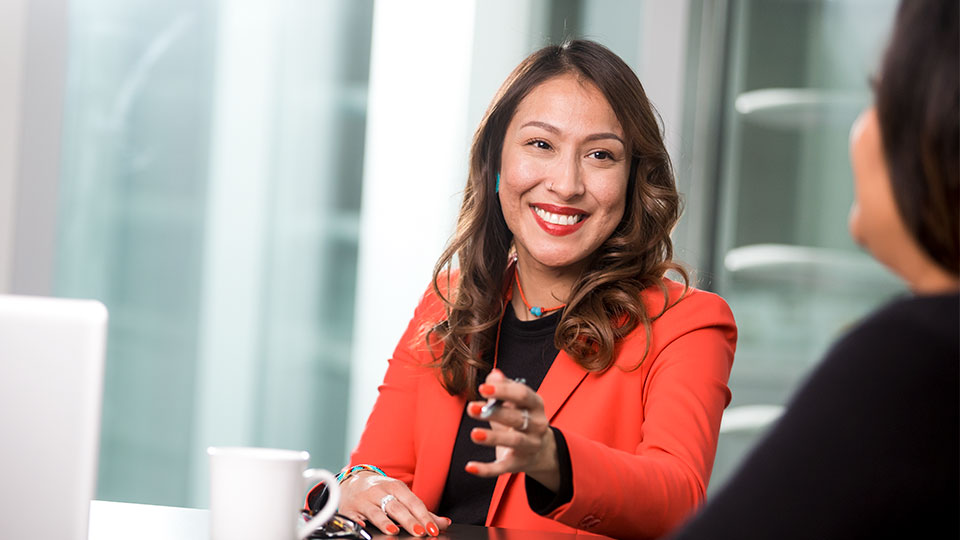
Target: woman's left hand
<point>519,431</point>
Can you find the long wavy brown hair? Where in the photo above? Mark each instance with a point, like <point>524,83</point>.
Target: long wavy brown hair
<point>605,303</point>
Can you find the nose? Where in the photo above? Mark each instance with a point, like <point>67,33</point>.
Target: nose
<point>567,181</point>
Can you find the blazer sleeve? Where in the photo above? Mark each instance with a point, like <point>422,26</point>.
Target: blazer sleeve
<point>646,491</point>
<point>388,439</point>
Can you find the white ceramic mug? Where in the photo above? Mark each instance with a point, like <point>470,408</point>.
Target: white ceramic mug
<point>257,493</point>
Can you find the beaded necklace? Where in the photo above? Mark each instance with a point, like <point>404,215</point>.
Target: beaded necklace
<point>536,311</point>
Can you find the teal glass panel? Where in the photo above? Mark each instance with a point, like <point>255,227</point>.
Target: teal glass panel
<point>148,197</point>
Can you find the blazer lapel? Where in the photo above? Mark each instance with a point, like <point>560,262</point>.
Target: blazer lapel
<point>442,414</point>
<point>564,376</point>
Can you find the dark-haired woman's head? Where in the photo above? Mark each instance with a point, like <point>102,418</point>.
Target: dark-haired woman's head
<point>906,149</point>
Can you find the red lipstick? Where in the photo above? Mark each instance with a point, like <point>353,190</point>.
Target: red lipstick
<point>553,228</point>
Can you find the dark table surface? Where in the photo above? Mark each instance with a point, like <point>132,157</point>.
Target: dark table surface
<point>475,532</point>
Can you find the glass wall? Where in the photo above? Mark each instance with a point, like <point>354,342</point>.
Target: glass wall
<point>795,79</point>
<point>210,198</point>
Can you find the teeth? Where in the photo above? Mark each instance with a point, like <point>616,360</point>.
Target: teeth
<point>557,219</point>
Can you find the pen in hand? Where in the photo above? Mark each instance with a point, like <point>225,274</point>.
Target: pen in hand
<point>493,403</point>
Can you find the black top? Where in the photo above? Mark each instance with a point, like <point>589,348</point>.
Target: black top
<point>526,350</point>
<point>868,448</point>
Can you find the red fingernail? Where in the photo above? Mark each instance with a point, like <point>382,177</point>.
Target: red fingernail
<point>486,389</point>
<point>418,530</point>
<point>433,529</point>
<point>475,409</point>
<point>472,469</point>
<point>392,529</point>
<point>478,435</point>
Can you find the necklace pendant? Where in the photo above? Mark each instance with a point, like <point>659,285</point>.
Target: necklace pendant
<point>537,311</point>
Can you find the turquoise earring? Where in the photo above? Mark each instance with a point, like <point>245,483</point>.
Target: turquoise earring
<point>497,188</point>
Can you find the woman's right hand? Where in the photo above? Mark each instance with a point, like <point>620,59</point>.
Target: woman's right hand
<point>381,500</point>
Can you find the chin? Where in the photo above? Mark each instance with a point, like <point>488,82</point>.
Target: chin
<point>857,238</point>
<point>855,231</point>
<point>557,260</point>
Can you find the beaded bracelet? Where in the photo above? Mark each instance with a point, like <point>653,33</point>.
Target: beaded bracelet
<point>348,472</point>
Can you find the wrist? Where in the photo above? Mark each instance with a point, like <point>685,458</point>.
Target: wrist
<point>546,469</point>
<point>358,476</point>
<point>347,472</point>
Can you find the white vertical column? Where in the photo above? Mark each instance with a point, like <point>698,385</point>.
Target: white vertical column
<point>663,60</point>
<point>12,25</point>
<point>417,142</point>
<point>664,53</point>
<point>237,212</point>
<point>500,42</point>
<point>37,178</point>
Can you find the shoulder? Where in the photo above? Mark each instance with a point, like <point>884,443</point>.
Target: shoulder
<point>923,329</point>
<point>931,317</point>
<point>686,306</point>
<point>678,311</point>
<point>894,374</point>
<point>432,307</point>
<point>901,359</point>
<point>430,311</point>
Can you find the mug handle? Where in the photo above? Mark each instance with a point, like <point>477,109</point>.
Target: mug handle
<point>310,477</point>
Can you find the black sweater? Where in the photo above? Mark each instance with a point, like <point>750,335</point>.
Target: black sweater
<point>526,350</point>
<point>869,446</point>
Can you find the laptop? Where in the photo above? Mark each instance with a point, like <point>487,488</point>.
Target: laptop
<point>51,379</point>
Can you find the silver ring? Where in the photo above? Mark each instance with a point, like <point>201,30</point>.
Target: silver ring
<point>383,502</point>
<point>526,420</point>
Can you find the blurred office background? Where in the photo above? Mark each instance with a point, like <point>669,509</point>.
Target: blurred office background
<point>258,192</point>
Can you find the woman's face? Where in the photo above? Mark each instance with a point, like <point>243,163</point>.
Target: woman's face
<point>563,175</point>
<point>875,222</point>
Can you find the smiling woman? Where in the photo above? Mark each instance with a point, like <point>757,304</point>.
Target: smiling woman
<point>618,373</point>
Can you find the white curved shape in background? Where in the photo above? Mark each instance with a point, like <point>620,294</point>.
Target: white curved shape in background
<point>749,418</point>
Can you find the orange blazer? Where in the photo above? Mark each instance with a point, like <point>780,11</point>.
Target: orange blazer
<point>642,441</point>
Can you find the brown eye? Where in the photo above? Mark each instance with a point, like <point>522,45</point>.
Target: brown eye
<point>601,154</point>
<point>543,145</point>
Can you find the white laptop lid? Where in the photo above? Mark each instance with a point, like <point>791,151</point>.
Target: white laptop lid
<point>51,379</point>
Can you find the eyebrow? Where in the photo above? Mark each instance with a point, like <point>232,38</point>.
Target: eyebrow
<point>553,129</point>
